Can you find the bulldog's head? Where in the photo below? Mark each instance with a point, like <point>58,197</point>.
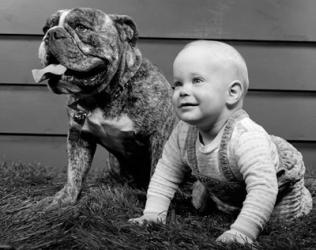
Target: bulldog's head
<point>83,49</point>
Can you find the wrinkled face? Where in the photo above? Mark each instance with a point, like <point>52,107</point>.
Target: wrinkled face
<point>85,45</point>
<point>200,88</point>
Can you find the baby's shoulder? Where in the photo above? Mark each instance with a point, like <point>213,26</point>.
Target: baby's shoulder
<point>248,137</point>
<point>247,125</point>
<point>248,131</point>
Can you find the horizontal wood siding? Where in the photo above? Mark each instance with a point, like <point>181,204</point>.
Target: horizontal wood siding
<point>289,20</point>
<point>274,66</point>
<point>45,150</point>
<point>36,110</point>
<point>276,37</point>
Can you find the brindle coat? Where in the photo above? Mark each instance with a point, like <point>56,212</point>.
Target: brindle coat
<point>117,98</point>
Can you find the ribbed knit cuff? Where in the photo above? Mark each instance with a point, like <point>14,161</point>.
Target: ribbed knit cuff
<point>247,227</point>
<point>157,204</point>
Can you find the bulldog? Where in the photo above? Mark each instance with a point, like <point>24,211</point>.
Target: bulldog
<point>117,98</point>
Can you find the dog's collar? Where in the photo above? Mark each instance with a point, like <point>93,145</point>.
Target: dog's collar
<point>83,105</point>
<point>89,102</point>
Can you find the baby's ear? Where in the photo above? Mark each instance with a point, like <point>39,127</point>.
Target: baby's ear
<point>235,92</point>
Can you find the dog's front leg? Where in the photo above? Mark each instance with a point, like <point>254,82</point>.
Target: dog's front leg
<point>80,150</point>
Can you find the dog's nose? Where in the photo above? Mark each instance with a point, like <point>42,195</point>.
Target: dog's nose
<point>56,34</point>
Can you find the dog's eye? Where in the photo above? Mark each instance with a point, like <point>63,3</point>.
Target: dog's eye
<point>81,28</point>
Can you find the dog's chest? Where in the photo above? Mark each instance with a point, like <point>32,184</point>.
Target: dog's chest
<point>117,133</point>
<point>96,122</point>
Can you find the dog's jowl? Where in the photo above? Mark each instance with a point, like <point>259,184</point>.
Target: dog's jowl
<point>117,98</point>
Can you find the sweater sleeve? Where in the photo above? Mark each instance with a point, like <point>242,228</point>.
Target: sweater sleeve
<point>254,158</point>
<point>167,175</point>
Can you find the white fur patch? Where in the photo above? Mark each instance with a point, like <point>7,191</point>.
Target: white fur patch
<point>42,53</point>
<point>62,17</point>
<point>42,49</point>
<point>96,119</point>
<point>107,20</point>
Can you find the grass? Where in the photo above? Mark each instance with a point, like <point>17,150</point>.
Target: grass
<point>99,219</point>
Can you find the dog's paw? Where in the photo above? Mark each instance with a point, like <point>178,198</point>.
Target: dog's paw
<point>65,197</point>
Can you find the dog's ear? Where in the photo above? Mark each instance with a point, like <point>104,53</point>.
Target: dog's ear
<point>126,28</point>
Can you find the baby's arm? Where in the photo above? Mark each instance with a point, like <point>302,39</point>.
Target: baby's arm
<point>161,190</point>
<point>254,158</point>
<point>164,182</point>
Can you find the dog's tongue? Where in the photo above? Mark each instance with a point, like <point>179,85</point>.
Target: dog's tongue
<point>40,75</point>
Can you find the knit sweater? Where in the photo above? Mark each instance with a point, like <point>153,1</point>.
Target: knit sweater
<point>253,161</point>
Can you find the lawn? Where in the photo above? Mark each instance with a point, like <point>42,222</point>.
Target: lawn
<point>99,219</point>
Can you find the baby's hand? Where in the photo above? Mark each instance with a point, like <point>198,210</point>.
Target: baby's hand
<point>232,235</point>
<point>149,218</point>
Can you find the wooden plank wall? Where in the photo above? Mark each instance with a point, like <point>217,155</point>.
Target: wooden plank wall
<point>276,37</point>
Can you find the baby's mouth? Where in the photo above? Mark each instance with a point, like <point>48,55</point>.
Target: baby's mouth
<point>187,104</point>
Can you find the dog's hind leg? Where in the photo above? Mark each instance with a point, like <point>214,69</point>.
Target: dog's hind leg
<point>133,171</point>
<point>111,174</point>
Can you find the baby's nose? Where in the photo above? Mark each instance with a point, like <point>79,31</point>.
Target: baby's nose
<point>185,90</point>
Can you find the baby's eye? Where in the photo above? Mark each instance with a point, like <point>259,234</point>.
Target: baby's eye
<point>176,84</point>
<point>197,80</point>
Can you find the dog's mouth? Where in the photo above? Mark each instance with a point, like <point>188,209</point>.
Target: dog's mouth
<point>57,73</point>
<point>60,71</point>
<point>86,78</point>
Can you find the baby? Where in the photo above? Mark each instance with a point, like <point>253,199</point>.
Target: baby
<point>241,168</point>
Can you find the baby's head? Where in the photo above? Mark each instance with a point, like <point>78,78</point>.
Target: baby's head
<point>210,78</point>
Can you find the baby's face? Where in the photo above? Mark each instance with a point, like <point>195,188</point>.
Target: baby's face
<point>200,87</point>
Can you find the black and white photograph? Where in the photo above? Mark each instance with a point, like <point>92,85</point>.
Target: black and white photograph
<point>146,124</point>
